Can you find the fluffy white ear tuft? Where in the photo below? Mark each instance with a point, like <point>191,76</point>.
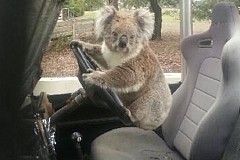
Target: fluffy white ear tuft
<point>145,21</point>
<point>104,17</point>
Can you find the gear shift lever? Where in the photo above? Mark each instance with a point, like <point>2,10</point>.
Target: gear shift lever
<point>77,138</point>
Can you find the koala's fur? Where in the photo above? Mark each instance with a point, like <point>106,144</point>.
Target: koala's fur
<point>132,69</point>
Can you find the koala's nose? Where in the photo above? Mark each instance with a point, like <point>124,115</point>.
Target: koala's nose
<point>123,41</point>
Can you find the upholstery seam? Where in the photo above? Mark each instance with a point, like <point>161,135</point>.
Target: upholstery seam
<point>198,107</point>
<point>208,94</point>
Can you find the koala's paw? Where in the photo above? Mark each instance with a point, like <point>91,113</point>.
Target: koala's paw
<point>80,44</point>
<point>75,43</point>
<point>129,113</point>
<point>94,78</point>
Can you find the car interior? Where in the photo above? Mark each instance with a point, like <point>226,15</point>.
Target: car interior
<point>195,127</point>
<point>90,124</point>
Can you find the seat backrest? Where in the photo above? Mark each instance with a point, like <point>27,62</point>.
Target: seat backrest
<point>204,108</point>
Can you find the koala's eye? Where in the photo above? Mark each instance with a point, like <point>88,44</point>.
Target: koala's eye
<point>114,34</point>
<point>132,36</point>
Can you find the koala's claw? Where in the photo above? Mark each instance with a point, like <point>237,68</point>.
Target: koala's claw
<point>98,69</point>
<point>90,70</point>
<point>94,77</point>
<point>87,78</point>
<point>84,76</point>
<point>130,115</point>
<point>75,43</point>
<point>80,44</point>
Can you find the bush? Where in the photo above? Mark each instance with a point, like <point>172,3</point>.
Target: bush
<point>171,12</point>
<point>92,5</point>
<point>78,5</point>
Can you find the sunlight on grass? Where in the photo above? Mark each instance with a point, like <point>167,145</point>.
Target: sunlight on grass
<point>169,18</point>
<point>89,14</point>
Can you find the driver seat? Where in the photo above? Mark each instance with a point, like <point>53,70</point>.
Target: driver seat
<point>205,107</point>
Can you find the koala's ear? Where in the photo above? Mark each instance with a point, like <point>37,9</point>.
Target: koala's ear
<point>104,16</point>
<point>145,21</point>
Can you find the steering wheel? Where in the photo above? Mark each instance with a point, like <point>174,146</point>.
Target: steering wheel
<point>86,64</point>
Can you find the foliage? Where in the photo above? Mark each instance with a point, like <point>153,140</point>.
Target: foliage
<point>145,3</point>
<point>172,12</point>
<point>168,3</point>
<point>134,3</point>
<point>202,9</point>
<point>83,5</point>
<point>78,5</point>
<point>92,5</point>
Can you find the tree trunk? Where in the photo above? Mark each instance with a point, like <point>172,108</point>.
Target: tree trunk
<point>113,3</point>
<point>158,20</point>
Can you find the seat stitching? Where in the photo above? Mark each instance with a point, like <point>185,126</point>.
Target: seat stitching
<point>199,107</point>
<point>187,117</point>
<point>209,77</point>
<point>183,133</point>
<point>206,93</point>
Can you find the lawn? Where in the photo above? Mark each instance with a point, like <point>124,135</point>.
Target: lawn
<point>89,14</point>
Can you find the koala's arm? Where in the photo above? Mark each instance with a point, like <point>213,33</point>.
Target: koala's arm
<point>94,51</point>
<point>128,77</point>
<point>120,79</point>
<point>124,80</point>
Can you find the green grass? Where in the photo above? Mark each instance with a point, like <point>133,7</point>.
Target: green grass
<point>169,18</point>
<point>89,14</point>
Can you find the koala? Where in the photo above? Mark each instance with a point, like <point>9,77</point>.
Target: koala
<point>131,69</point>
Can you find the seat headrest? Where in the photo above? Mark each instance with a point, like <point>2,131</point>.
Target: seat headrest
<point>225,16</point>
<point>224,13</point>
<point>225,22</point>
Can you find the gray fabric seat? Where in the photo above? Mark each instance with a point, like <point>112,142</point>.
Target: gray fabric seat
<point>204,109</point>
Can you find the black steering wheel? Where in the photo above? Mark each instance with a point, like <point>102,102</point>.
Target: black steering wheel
<point>86,64</point>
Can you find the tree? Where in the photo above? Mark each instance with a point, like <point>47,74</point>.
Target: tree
<point>113,3</point>
<point>158,19</point>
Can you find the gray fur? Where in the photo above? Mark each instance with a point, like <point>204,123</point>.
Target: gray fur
<point>146,22</point>
<point>104,16</point>
<point>132,69</point>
